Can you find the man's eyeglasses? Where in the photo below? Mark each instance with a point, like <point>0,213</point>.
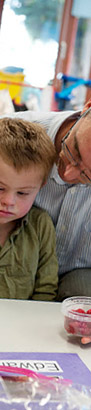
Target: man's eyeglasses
<point>86,178</point>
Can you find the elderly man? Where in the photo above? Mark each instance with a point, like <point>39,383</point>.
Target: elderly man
<point>67,195</point>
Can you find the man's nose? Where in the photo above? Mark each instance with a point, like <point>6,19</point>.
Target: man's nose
<point>71,172</point>
<point>8,199</point>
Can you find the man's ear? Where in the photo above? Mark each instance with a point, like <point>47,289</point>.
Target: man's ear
<point>86,106</point>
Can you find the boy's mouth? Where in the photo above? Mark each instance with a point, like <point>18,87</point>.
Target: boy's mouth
<point>6,213</point>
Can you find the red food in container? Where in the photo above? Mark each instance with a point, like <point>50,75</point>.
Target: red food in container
<point>77,316</point>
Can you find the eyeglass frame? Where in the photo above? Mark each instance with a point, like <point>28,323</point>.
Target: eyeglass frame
<point>76,164</point>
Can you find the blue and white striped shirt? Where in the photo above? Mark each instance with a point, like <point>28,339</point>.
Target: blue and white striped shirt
<point>68,205</point>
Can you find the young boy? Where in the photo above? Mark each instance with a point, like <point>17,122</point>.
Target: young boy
<point>28,264</point>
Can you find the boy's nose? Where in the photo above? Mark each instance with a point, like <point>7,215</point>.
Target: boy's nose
<point>8,199</point>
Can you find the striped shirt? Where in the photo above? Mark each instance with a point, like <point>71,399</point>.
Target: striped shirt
<point>68,205</point>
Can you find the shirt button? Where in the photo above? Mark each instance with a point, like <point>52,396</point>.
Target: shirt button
<point>73,190</point>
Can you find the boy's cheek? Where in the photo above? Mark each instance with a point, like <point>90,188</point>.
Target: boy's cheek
<point>26,204</point>
<point>23,210</point>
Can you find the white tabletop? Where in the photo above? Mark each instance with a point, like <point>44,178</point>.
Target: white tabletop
<point>29,326</point>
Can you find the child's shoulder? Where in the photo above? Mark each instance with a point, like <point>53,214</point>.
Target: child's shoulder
<point>41,225</point>
<point>38,215</point>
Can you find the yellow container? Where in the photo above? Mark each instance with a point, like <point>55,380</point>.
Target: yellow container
<point>13,83</point>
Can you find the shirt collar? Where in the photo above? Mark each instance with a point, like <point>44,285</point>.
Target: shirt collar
<point>54,175</point>
<point>20,223</point>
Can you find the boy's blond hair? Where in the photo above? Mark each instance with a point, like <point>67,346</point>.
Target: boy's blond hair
<point>23,143</point>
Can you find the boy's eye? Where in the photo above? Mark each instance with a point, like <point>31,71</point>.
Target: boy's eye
<point>23,193</point>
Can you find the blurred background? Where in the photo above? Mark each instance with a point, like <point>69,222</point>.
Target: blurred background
<point>45,54</point>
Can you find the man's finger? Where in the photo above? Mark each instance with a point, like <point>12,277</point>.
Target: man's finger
<point>85,340</point>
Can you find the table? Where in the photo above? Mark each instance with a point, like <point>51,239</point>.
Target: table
<point>30,326</point>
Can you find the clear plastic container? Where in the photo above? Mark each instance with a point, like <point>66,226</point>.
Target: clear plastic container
<point>77,316</point>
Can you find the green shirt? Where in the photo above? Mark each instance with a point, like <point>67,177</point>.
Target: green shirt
<point>28,264</point>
